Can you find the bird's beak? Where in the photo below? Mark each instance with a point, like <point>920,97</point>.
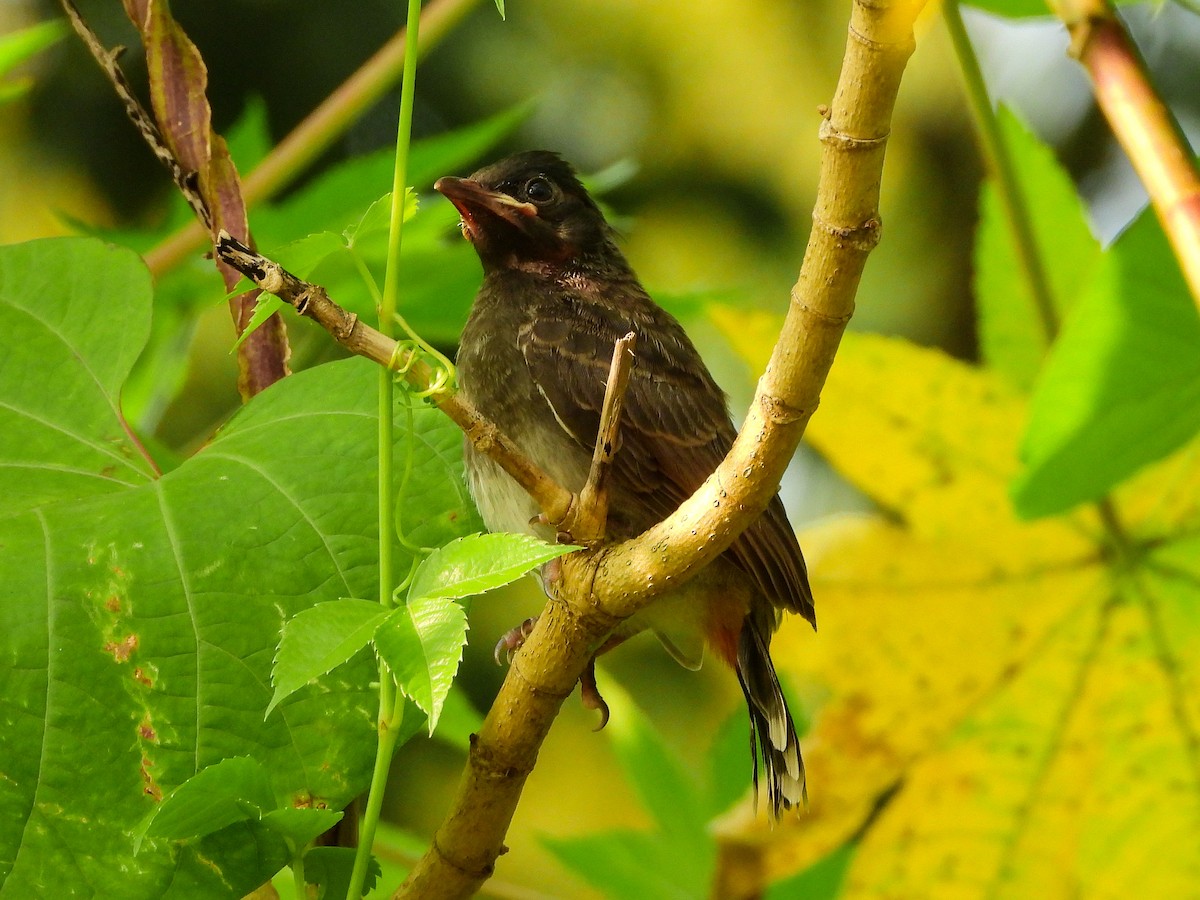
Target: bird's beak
<point>473,201</point>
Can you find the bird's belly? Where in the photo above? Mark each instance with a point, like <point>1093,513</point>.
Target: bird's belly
<point>503,504</point>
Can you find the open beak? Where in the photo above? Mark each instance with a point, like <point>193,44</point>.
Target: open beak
<point>473,201</point>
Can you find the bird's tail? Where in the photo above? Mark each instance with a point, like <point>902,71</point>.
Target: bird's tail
<point>772,733</point>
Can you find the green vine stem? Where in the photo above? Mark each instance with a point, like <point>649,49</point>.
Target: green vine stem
<point>321,127</point>
<point>1003,170</point>
<point>391,703</point>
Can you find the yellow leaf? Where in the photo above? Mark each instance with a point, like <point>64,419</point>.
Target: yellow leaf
<point>1000,708</point>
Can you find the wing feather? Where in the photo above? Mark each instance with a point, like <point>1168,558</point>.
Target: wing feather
<point>676,426</point>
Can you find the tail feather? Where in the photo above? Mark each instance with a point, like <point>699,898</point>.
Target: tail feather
<point>772,733</point>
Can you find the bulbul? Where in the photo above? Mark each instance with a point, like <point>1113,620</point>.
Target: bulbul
<point>557,294</point>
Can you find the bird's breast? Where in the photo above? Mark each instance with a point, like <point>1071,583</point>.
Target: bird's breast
<point>495,379</point>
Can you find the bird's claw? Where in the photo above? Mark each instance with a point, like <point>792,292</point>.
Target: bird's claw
<point>512,641</point>
<point>589,692</point>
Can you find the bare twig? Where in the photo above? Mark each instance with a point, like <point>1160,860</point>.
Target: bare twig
<point>599,588</point>
<point>356,336</point>
<point>1142,123</point>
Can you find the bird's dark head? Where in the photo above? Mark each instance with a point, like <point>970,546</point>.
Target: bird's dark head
<point>528,211</point>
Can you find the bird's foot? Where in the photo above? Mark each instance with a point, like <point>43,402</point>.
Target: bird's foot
<point>513,640</point>
<point>589,692</point>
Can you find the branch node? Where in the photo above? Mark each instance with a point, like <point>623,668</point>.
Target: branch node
<point>863,237</point>
<point>828,134</point>
<point>534,685</point>
<point>780,412</point>
<point>482,873</point>
<point>827,318</point>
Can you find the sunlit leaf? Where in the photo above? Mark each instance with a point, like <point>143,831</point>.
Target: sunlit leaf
<point>422,641</point>
<point>266,306</point>
<point>141,652</point>
<point>481,562</point>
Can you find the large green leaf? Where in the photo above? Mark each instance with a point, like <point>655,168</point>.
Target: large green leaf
<point>1122,386</point>
<point>68,338</point>
<point>141,615</point>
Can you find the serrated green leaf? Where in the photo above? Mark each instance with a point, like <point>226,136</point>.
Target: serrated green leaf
<point>301,257</point>
<point>480,562</point>
<point>1012,335</point>
<point>265,307</point>
<point>377,220</point>
<point>320,638</point>
<point>140,620</point>
<point>300,825</point>
<point>1122,386</point>
<point>233,790</point>
<point>421,641</point>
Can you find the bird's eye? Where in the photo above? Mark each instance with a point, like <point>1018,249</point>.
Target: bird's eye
<point>539,190</point>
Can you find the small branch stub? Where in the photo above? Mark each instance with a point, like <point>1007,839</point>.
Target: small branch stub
<point>587,520</point>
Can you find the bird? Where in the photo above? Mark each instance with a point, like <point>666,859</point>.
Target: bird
<point>534,357</point>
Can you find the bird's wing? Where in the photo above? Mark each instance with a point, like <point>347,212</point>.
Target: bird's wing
<point>675,428</point>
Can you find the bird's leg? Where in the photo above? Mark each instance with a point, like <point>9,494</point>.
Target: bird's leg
<point>589,692</point>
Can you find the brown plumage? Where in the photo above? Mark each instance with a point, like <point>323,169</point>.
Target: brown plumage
<point>557,294</point>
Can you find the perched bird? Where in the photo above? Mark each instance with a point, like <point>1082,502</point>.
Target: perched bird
<point>557,293</point>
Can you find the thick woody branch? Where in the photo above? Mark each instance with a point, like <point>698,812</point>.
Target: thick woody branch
<point>598,589</point>
<point>1142,123</point>
<point>356,336</point>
